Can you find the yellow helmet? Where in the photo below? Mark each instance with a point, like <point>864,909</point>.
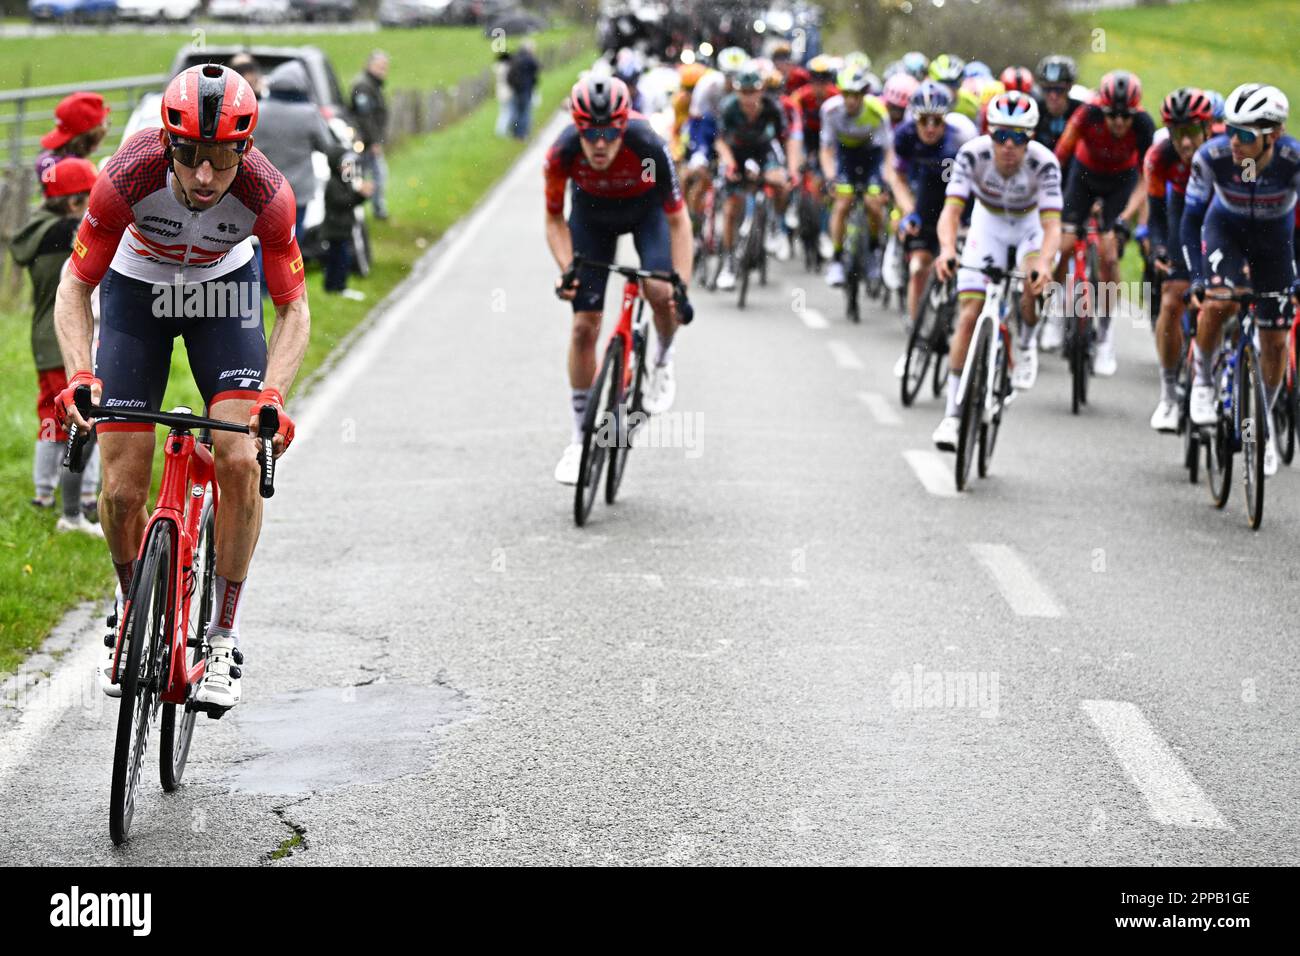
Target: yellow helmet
<point>690,74</point>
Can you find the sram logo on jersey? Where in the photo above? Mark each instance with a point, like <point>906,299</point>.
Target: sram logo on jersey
<point>213,299</point>
<point>155,224</point>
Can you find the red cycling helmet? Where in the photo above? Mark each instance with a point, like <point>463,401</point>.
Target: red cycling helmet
<point>211,104</point>
<point>1119,90</point>
<point>1017,78</point>
<point>1186,105</point>
<point>600,101</point>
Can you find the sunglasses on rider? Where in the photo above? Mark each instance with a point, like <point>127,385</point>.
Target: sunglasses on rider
<point>1119,114</point>
<point>1017,136</point>
<point>929,119</point>
<point>594,134</point>
<point>220,155</point>
<point>1190,131</point>
<point>1058,90</point>
<point>1243,135</point>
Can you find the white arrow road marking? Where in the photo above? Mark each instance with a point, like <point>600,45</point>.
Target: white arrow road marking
<point>1172,796</point>
<point>813,319</point>
<point>934,470</point>
<point>844,356</point>
<point>882,410</point>
<point>1016,581</point>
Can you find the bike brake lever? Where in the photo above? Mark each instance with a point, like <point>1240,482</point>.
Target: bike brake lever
<point>268,423</point>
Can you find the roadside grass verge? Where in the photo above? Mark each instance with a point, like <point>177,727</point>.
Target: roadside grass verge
<point>434,180</point>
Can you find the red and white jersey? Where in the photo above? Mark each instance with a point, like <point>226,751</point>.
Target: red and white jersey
<point>137,226</point>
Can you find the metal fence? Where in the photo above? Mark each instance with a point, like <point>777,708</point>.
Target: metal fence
<point>27,114</point>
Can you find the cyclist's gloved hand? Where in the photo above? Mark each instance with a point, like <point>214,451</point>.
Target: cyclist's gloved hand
<point>1122,231</point>
<point>1195,294</point>
<point>284,434</point>
<point>566,286</point>
<point>682,305</point>
<point>910,225</point>
<point>65,406</point>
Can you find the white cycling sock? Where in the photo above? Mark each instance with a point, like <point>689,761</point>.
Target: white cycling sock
<point>663,351</point>
<point>1027,334</point>
<point>579,413</point>
<point>1271,394</point>
<point>226,603</point>
<point>1202,367</point>
<point>1169,385</point>
<point>954,386</point>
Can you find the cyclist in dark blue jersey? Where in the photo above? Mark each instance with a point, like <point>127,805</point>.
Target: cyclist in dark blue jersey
<point>1237,230</point>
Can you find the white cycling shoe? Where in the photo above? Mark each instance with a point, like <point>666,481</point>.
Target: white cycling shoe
<point>945,436</point>
<point>661,390</point>
<point>79,523</point>
<point>566,472</point>
<point>1053,335</point>
<point>1165,417</point>
<point>1203,410</point>
<point>104,672</point>
<point>1270,458</point>
<point>221,675</point>
<point>1025,374</point>
<point>726,278</point>
<point>1104,363</point>
<point>783,250</point>
<point>835,273</point>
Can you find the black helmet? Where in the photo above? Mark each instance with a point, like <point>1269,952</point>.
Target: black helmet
<point>1056,69</point>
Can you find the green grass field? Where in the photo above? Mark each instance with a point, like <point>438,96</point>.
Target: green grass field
<point>1216,44</point>
<point>421,58</point>
<point>434,180</point>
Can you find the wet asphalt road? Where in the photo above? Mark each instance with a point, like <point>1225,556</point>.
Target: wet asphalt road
<point>736,663</point>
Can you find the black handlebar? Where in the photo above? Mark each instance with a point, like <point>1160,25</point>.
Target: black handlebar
<point>268,425</point>
<point>685,311</point>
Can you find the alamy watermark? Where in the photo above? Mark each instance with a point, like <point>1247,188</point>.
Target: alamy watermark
<point>210,299</point>
<point>635,429</point>
<point>945,690</point>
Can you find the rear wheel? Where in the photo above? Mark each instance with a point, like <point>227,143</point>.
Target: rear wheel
<point>1254,433</point>
<point>972,402</point>
<point>1283,418</point>
<point>1218,461</point>
<point>630,410</point>
<point>174,735</point>
<point>597,428</point>
<point>148,623</point>
<point>1191,434</point>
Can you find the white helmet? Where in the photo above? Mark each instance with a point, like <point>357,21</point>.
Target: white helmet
<point>1256,105</point>
<point>732,60</point>
<point>1014,109</point>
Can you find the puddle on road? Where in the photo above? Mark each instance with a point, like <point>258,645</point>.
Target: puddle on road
<point>334,737</point>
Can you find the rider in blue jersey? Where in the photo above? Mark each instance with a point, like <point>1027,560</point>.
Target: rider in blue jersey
<point>1237,236</point>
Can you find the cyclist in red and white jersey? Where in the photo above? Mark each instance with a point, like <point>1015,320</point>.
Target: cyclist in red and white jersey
<point>167,239</point>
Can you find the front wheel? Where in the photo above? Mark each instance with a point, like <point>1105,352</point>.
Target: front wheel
<point>174,736</point>
<point>919,349</point>
<point>1218,461</point>
<point>597,425</point>
<point>989,429</point>
<point>1254,434</point>
<point>146,628</point>
<point>972,402</point>
<point>1284,420</point>
<point>630,416</point>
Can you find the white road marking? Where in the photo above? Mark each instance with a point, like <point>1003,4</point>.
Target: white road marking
<point>1172,796</point>
<point>1016,581</point>
<point>882,410</point>
<point>813,319</point>
<point>935,471</point>
<point>844,356</point>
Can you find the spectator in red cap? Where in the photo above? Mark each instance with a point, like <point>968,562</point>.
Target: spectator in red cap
<point>80,125</point>
<point>43,246</point>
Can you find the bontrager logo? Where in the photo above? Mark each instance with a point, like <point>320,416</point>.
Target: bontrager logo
<point>103,909</point>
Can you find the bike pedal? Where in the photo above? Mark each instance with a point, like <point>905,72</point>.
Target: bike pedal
<point>110,639</point>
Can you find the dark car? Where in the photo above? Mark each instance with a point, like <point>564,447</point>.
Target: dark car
<point>317,10</point>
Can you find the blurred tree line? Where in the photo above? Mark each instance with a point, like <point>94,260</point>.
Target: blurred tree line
<point>999,32</point>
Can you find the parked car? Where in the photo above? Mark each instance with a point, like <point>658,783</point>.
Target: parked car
<point>154,11</point>
<point>516,22</point>
<point>250,11</point>
<point>318,10</point>
<point>413,13</point>
<point>72,11</point>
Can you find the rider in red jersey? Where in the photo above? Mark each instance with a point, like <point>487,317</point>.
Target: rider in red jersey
<point>167,239</point>
<point>1107,140</point>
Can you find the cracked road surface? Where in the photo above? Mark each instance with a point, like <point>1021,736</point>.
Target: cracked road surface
<point>785,644</point>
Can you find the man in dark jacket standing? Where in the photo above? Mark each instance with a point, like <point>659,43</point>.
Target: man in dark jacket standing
<point>290,128</point>
<point>370,110</point>
<point>522,78</point>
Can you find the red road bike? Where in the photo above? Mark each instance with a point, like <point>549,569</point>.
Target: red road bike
<point>163,646</point>
<point>607,428</point>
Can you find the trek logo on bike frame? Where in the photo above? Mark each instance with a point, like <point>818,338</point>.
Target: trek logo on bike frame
<point>76,909</point>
